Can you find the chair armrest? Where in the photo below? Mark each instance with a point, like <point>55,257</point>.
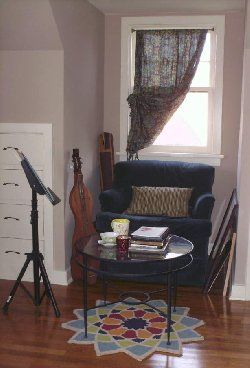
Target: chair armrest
<point>203,207</point>
<point>115,200</point>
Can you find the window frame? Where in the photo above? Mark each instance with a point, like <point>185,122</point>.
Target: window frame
<point>217,22</point>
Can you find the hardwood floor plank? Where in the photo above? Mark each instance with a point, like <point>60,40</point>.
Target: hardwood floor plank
<point>33,338</point>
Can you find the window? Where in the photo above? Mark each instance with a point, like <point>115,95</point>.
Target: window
<point>194,131</point>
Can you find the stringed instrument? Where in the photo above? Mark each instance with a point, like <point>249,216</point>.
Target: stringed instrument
<point>106,160</point>
<point>81,204</point>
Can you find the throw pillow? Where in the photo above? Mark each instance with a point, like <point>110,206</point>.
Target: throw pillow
<point>160,201</point>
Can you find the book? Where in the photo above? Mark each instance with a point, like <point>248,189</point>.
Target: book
<point>158,244</point>
<point>150,233</point>
<point>147,256</point>
<point>148,249</point>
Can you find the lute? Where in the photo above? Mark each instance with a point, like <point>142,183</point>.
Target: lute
<point>81,204</point>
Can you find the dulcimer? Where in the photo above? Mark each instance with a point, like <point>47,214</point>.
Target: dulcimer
<point>106,160</point>
<point>81,204</point>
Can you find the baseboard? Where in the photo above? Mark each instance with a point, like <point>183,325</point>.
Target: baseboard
<point>238,292</point>
<point>61,277</point>
<point>210,247</point>
<point>58,277</point>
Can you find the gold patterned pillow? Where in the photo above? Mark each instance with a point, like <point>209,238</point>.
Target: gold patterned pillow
<point>164,201</point>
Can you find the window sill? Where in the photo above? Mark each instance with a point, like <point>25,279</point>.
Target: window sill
<point>203,158</point>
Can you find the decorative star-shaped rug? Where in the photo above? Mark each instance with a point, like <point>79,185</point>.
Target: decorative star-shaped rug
<point>136,330</point>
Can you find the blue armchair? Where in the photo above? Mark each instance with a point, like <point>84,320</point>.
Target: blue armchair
<point>196,227</point>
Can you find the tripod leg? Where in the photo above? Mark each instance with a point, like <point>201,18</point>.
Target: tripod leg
<point>36,280</point>
<point>17,283</point>
<point>48,288</point>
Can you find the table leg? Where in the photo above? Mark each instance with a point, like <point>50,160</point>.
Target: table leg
<point>169,303</point>
<point>85,294</point>
<point>174,290</point>
<point>104,288</point>
<point>104,285</point>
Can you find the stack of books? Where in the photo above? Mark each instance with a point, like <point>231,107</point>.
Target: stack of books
<point>149,241</point>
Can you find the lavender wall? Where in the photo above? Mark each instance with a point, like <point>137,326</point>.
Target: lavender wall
<point>31,79</point>
<point>56,48</point>
<point>51,71</point>
<point>81,29</point>
<point>242,274</point>
<point>226,173</point>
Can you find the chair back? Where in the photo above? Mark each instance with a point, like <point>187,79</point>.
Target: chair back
<point>152,173</point>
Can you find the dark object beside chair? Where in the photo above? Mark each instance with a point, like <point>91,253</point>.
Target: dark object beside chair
<point>197,227</point>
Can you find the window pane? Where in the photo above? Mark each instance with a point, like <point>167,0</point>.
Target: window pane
<point>201,78</point>
<point>205,56</point>
<point>189,125</point>
<point>202,75</point>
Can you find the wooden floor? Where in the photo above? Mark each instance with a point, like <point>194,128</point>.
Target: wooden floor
<point>34,338</point>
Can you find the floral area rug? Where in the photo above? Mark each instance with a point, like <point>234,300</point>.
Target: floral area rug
<point>136,330</point>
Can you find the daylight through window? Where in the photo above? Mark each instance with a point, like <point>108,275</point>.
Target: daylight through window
<point>189,129</point>
<point>194,130</point>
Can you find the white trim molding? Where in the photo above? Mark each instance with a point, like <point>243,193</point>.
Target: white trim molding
<point>238,292</point>
<point>217,22</point>
<point>204,158</point>
<point>61,277</point>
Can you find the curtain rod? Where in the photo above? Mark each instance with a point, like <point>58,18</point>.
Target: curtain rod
<point>151,29</point>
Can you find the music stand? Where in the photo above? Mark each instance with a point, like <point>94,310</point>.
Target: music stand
<point>39,270</point>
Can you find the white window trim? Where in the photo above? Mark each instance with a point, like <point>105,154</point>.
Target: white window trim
<point>214,21</point>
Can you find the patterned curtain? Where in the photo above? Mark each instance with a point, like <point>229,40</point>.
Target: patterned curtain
<point>165,64</point>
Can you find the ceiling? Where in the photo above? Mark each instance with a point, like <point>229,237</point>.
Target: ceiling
<point>135,6</point>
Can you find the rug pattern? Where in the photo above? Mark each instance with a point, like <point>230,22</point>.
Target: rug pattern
<point>136,330</point>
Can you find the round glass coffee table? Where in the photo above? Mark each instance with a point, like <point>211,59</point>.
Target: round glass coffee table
<point>99,259</point>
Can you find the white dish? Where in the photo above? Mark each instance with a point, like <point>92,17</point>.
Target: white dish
<point>101,242</point>
<point>108,237</point>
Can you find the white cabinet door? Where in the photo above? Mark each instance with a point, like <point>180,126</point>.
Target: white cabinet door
<point>14,187</point>
<point>35,141</point>
<point>32,145</point>
<point>15,221</point>
<point>11,262</point>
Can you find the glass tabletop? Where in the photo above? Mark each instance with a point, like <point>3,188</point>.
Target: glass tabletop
<point>177,247</point>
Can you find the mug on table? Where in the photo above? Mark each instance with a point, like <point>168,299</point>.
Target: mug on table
<point>120,226</point>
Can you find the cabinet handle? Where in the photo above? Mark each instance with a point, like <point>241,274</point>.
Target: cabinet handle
<point>12,251</point>
<point>10,217</point>
<point>9,147</point>
<point>15,184</point>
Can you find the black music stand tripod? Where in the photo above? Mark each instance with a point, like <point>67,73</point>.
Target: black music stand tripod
<point>39,270</point>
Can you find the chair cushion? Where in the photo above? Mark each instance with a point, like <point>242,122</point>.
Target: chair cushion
<point>160,201</point>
